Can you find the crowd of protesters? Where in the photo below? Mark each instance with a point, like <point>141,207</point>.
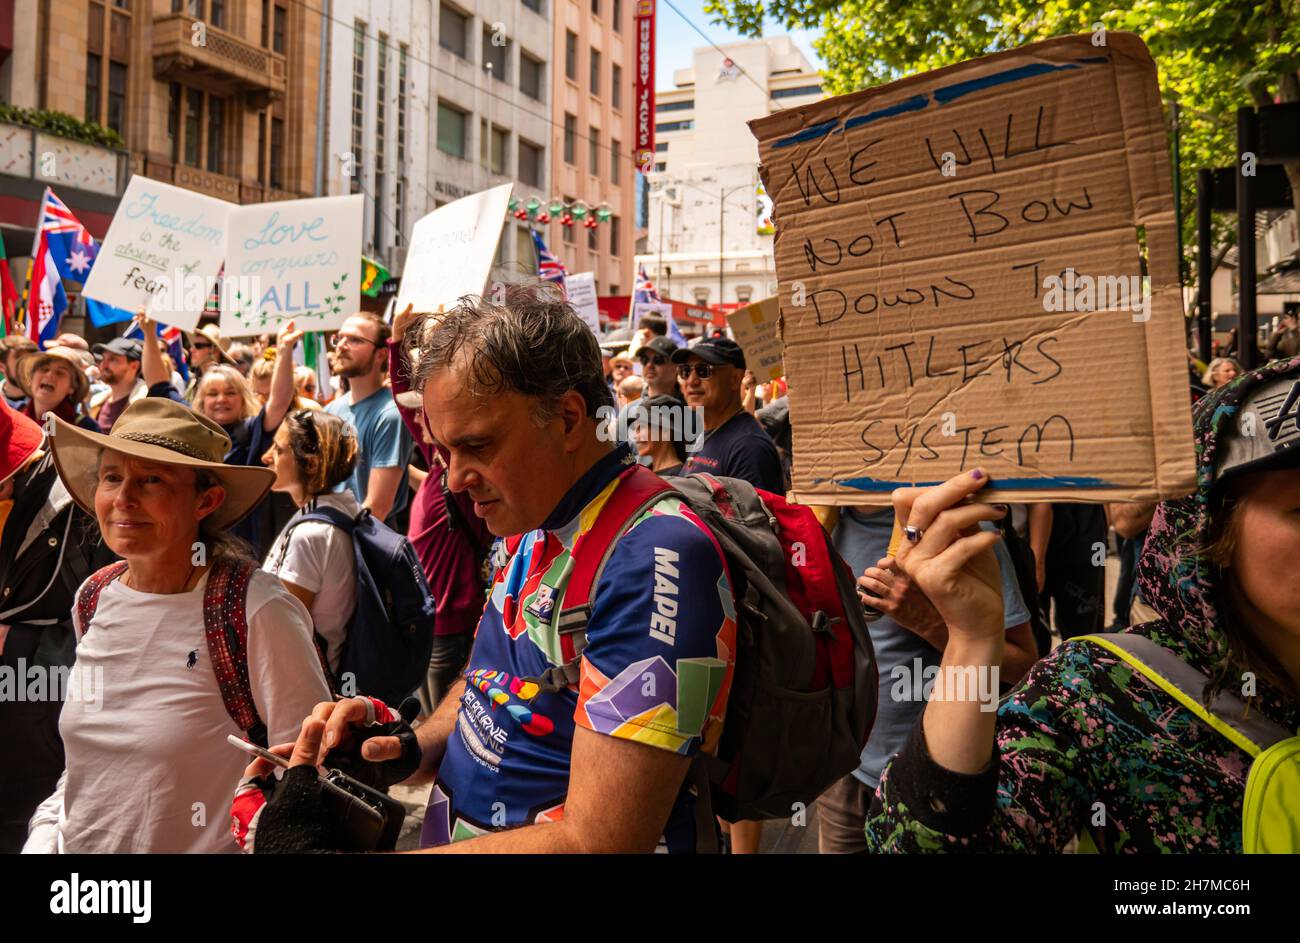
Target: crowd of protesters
<point>493,436</point>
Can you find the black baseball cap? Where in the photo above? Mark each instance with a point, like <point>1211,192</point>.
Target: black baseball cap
<point>130,349</point>
<point>722,351</point>
<point>660,345</point>
<point>1272,440</point>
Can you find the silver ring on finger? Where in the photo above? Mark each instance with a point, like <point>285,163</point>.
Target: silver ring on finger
<point>913,533</point>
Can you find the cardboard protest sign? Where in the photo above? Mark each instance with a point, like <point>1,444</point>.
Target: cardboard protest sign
<point>452,250</point>
<point>163,250</point>
<point>295,259</point>
<point>962,282</point>
<point>755,329</point>
<point>582,295</point>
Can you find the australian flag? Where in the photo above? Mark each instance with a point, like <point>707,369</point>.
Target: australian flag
<point>72,251</point>
<point>643,293</point>
<point>549,268</point>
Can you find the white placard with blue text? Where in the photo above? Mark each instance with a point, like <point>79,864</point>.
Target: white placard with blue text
<point>163,250</point>
<point>296,260</point>
<point>452,250</point>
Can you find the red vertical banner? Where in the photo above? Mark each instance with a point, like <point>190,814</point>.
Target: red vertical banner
<point>645,85</point>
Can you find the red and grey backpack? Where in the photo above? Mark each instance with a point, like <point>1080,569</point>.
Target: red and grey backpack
<point>803,695</point>
<point>225,624</point>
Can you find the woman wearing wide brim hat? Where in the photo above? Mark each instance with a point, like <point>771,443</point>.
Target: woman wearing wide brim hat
<point>191,642</point>
<point>55,381</point>
<point>49,547</point>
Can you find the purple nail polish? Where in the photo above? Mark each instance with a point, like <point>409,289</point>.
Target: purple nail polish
<point>977,474</point>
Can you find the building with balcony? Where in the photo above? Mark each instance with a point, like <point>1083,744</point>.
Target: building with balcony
<point>591,137</point>
<point>706,240</point>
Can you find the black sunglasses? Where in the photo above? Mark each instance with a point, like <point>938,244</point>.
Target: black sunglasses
<point>307,422</point>
<point>658,359</point>
<point>701,370</point>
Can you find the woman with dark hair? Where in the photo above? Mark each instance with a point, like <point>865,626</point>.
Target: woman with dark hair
<point>1140,741</point>
<point>312,453</point>
<point>181,645</point>
<point>658,434</point>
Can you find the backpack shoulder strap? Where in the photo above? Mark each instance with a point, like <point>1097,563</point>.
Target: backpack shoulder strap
<point>1226,713</point>
<point>88,598</point>
<point>225,623</point>
<point>637,491</point>
<point>327,515</point>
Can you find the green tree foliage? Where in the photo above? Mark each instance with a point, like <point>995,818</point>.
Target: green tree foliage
<point>1213,56</point>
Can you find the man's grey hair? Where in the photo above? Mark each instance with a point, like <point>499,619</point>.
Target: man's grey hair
<point>523,338</point>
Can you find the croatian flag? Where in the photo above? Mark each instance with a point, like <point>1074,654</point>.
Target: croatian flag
<point>549,268</point>
<point>48,300</point>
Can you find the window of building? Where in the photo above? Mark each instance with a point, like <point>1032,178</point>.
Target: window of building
<point>500,142</point>
<point>534,5</point>
<point>701,296</point>
<point>266,23</point>
<point>661,146</point>
<point>193,120</point>
<point>217,13</point>
<point>595,7</point>
<point>531,163</point>
<point>402,52</point>
<point>796,92</point>
<point>570,138</point>
<point>530,76</point>
<point>525,253</point>
<point>94,80</point>
<point>453,31</point>
<point>216,135</point>
<point>615,162</point>
<point>261,148</point>
<point>593,240</point>
<point>660,167</point>
<point>593,150</point>
<point>496,51</point>
<point>354,165</point>
<point>616,86</point>
<point>618,20</point>
<point>571,55</point>
<point>174,121</point>
<point>451,130</point>
<point>595,72</point>
<point>278,36</point>
<point>675,126</point>
<point>399,212</point>
<point>686,105</point>
<point>615,247</point>
<point>117,97</point>
<point>277,153</point>
<point>381,138</point>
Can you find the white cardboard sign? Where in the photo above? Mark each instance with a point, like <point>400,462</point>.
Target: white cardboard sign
<point>452,250</point>
<point>582,295</point>
<point>163,250</point>
<point>297,259</point>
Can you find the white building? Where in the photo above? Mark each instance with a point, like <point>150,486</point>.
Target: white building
<point>429,101</point>
<point>704,243</point>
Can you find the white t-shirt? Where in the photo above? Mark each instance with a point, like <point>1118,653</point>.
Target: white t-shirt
<point>320,559</point>
<point>148,766</point>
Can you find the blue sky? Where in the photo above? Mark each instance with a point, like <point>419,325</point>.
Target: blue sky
<point>676,41</point>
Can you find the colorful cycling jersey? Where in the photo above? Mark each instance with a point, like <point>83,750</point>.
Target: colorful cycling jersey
<point>656,669</point>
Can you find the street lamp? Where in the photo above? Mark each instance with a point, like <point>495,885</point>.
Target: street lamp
<point>722,217</point>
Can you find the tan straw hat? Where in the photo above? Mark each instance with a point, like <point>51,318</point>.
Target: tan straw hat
<point>159,430</point>
<point>219,344</point>
<point>29,363</point>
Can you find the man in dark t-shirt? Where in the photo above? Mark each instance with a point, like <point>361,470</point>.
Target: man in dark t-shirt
<point>735,444</point>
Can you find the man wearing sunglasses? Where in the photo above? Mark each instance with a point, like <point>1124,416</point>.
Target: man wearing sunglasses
<point>735,444</point>
<point>657,368</point>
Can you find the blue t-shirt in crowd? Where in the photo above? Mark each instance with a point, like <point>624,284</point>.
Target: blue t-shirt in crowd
<point>739,448</point>
<point>862,539</point>
<point>382,441</point>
